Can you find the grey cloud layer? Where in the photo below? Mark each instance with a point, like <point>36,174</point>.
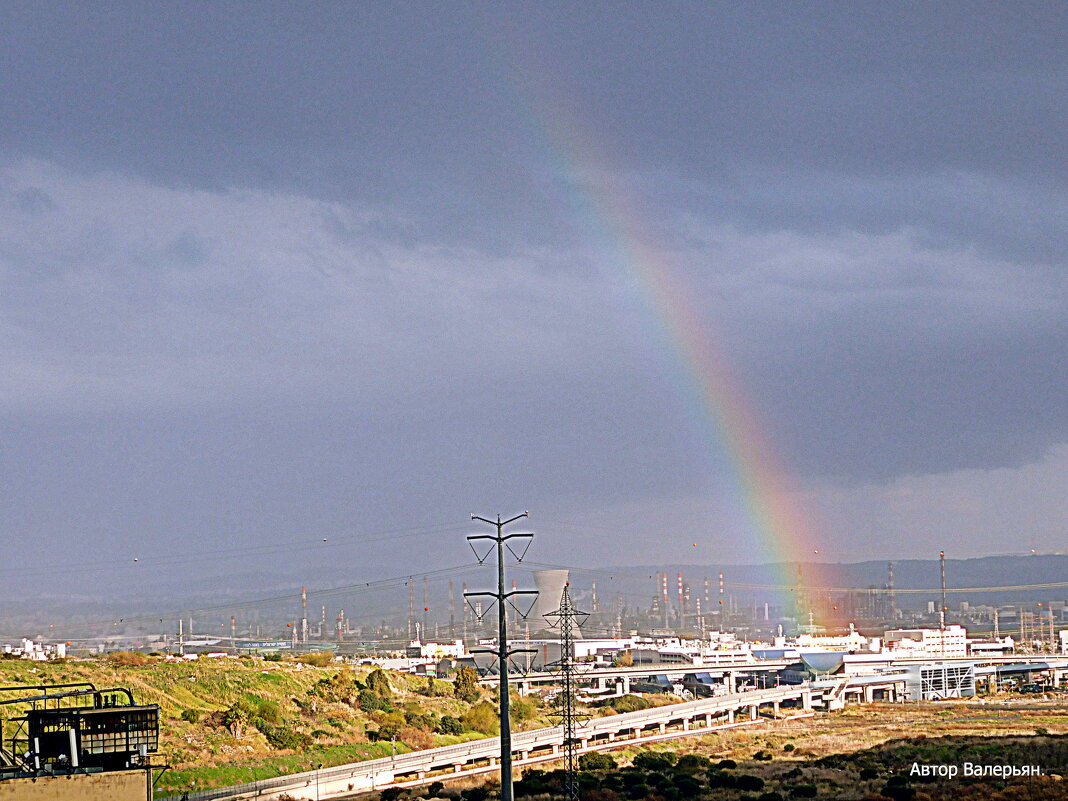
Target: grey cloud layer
<point>318,265</point>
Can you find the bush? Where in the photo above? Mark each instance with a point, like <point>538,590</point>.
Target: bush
<point>628,703</point>
<point>482,718</point>
<point>450,725</point>
<point>804,791</point>
<point>434,790</point>
<point>317,659</point>
<point>653,760</point>
<point>191,715</point>
<point>272,657</point>
<point>597,761</point>
<point>688,786</point>
<point>762,756</point>
<point>693,763</point>
<point>726,764</point>
<point>789,747</point>
<point>371,701</point>
<point>720,779</point>
<point>770,796</point>
<point>748,782</point>
<point>869,773</point>
<point>378,683</point>
<point>130,658</point>
<point>283,737</point>
<point>475,794</point>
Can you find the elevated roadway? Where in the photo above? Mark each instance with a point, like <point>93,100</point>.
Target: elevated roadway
<point>540,745</point>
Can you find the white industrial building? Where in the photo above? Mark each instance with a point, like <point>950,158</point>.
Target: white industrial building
<point>952,641</point>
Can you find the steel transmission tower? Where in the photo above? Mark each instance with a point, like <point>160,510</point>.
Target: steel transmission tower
<point>500,541</point>
<point>566,622</point>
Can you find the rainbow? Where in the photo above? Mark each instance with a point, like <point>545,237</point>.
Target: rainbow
<point>762,486</point>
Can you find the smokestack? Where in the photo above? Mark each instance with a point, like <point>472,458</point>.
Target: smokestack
<point>304,614</point>
<point>945,608</point>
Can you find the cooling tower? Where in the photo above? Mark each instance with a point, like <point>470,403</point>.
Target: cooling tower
<point>550,586</point>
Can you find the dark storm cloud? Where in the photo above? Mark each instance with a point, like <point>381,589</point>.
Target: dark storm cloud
<point>291,256</point>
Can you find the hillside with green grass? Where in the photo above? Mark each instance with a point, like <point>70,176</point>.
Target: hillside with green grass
<point>226,721</point>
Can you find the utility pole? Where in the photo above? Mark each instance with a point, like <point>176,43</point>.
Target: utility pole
<point>501,597</point>
<point>565,622</point>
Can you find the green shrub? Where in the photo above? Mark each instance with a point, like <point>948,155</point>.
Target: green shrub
<point>191,715</point>
<point>804,791</point>
<point>370,701</point>
<point>762,756</point>
<point>284,737</point>
<point>720,779</point>
<point>597,761</point>
<point>654,760</point>
<point>482,717</point>
<point>628,703</point>
<point>693,763</point>
<point>748,782</point>
<point>450,725</point>
<point>726,764</point>
<point>789,747</point>
<point>317,659</point>
<point>378,683</point>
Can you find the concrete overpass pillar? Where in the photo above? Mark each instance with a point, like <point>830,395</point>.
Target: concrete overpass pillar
<point>753,712</point>
<point>457,767</point>
<point>686,724</point>
<point>611,736</point>
<point>663,727</point>
<point>708,721</point>
<point>626,685</point>
<point>806,700</point>
<point>730,716</point>
<point>869,694</point>
<point>637,733</point>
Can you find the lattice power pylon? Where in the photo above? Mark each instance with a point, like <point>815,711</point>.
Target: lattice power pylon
<point>567,618</point>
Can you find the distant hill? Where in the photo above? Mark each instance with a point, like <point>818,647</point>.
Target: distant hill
<point>909,574</point>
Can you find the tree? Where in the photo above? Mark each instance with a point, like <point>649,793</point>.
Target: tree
<point>465,685</point>
<point>378,683</point>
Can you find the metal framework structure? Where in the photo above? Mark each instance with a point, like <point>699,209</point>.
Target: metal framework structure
<point>500,541</point>
<point>566,623</point>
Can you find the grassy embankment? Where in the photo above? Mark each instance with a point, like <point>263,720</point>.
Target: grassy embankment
<point>226,721</point>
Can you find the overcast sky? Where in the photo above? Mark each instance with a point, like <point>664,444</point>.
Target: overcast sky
<point>272,273</point>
